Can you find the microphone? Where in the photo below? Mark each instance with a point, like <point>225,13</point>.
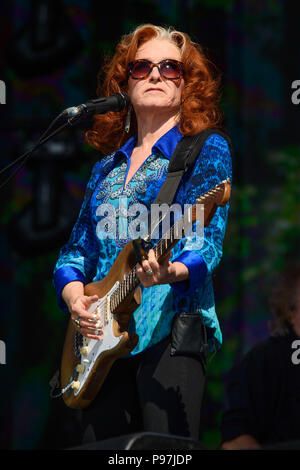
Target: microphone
<point>116,102</point>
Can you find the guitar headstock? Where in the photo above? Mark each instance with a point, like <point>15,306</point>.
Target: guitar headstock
<point>218,196</point>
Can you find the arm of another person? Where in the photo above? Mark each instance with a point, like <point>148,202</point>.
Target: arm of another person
<point>244,441</point>
<point>237,418</point>
<point>251,398</point>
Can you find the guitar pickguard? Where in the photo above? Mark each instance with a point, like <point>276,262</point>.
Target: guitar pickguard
<point>91,348</point>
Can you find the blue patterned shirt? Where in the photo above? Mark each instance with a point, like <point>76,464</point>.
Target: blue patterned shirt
<point>87,257</point>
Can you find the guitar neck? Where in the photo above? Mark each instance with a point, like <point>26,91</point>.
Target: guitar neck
<point>217,196</point>
<point>131,280</point>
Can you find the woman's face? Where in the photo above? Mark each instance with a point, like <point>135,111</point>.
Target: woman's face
<point>156,93</point>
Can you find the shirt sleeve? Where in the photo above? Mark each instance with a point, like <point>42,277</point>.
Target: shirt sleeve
<point>77,260</point>
<point>201,257</point>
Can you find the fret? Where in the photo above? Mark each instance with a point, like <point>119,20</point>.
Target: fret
<point>131,279</point>
<point>112,301</point>
<point>158,247</point>
<point>172,234</point>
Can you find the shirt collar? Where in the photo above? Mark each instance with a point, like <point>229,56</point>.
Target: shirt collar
<point>166,144</point>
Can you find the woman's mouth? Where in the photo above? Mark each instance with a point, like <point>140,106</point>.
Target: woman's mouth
<point>154,89</point>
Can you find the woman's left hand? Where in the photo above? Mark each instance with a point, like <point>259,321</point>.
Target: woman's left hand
<point>152,272</point>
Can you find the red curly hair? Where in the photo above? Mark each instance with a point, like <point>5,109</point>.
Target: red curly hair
<point>199,100</point>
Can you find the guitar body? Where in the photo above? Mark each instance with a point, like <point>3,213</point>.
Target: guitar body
<point>86,362</point>
<point>117,341</point>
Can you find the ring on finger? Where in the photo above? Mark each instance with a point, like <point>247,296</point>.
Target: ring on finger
<point>94,318</point>
<point>149,272</point>
<point>77,323</point>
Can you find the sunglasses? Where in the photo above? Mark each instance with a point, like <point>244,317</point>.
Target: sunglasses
<point>168,68</point>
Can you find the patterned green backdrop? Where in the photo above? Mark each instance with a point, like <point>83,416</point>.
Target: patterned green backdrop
<point>253,44</point>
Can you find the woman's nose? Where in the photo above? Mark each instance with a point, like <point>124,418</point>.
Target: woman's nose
<point>155,74</point>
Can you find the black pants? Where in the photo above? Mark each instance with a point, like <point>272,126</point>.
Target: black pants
<point>152,392</point>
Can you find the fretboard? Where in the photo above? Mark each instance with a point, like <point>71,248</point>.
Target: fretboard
<point>164,245</point>
<point>131,280</point>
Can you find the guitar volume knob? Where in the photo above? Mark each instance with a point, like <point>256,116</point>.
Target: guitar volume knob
<point>80,368</point>
<point>84,351</point>
<point>75,385</point>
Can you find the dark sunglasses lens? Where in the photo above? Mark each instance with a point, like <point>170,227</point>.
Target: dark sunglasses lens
<point>170,69</point>
<point>140,69</point>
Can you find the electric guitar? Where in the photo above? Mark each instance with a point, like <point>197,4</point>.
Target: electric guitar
<point>86,362</point>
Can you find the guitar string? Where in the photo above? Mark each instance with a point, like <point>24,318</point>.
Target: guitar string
<point>129,282</point>
<point>119,294</point>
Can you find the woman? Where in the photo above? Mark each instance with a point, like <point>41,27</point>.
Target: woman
<point>173,93</point>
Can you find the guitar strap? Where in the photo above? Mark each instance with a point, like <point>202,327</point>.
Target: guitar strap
<point>184,156</point>
<point>188,332</point>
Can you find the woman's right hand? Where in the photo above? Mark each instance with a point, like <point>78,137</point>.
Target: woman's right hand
<point>88,324</point>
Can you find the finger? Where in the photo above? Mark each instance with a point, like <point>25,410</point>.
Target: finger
<point>150,266</point>
<point>151,255</point>
<point>153,263</point>
<point>88,301</point>
<point>82,322</point>
<point>91,334</point>
<point>82,314</point>
<point>146,267</point>
<point>92,327</point>
<point>144,278</point>
<point>140,268</point>
<point>92,298</point>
